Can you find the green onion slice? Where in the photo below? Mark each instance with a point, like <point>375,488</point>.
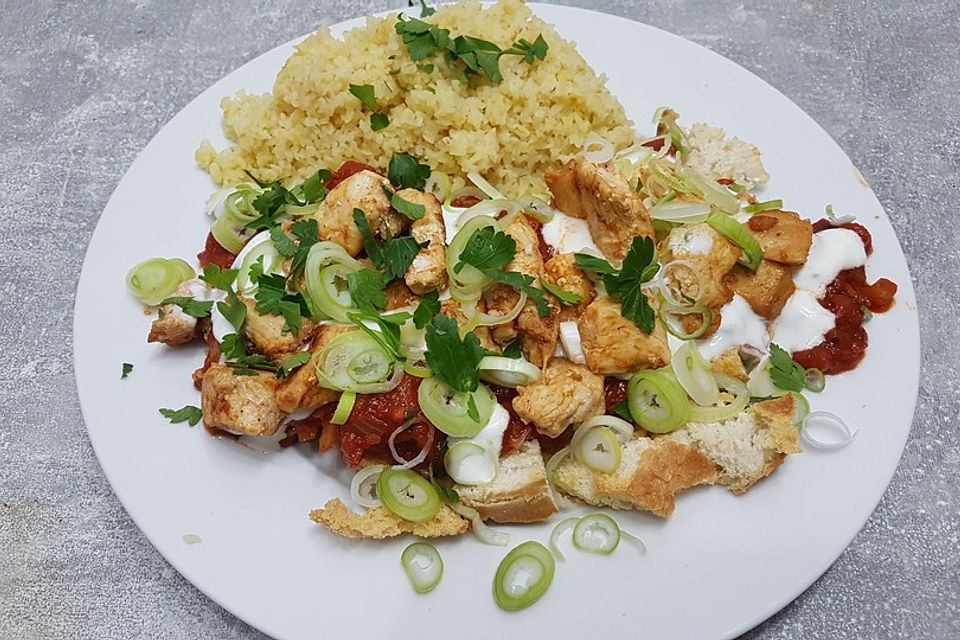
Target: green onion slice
<point>408,494</point>
<point>344,407</point>
<point>759,383</point>
<point>523,576</point>
<point>715,194</point>
<point>559,530</point>
<point>814,380</point>
<point>485,186</point>
<point>480,528</point>
<point>416,370</point>
<point>598,442</point>
<point>596,533</point>
<point>657,401</point>
<point>735,233</point>
<point>439,185</point>
<point>801,408</point>
<point>769,205</point>
<point>325,283</point>
<point>356,362</point>
<point>819,423</point>
<point>423,565</point>
<point>694,375</point>
<point>668,315</point>
<point>508,372</point>
<point>154,280</point>
<point>482,463</point>
<point>363,487</point>
<point>448,410</point>
<point>723,412</point>
<point>467,284</point>
<point>482,319</point>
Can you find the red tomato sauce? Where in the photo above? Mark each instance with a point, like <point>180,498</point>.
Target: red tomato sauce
<point>346,170</point>
<point>614,391</point>
<point>546,251</point>
<point>464,201</point>
<point>517,431</point>
<point>214,253</point>
<point>846,297</point>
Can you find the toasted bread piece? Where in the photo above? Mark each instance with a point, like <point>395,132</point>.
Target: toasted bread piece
<point>519,493</point>
<point>651,473</point>
<point>730,364</point>
<point>379,523</point>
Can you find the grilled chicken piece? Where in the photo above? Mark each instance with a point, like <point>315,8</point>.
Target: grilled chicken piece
<point>783,235</point>
<point>561,270</point>
<point>613,344</point>
<point>173,327</point>
<point>244,405</point>
<point>539,336</point>
<point>711,254</point>
<point>451,309</point>
<point>566,394</point>
<point>429,269</point>
<point>766,290</point>
<point>399,296</point>
<point>364,191</point>
<point>266,332</point>
<point>301,390</point>
<point>500,298</point>
<point>614,212</point>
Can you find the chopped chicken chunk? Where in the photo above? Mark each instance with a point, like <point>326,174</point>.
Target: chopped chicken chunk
<point>783,235</point>
<point>566,394</point>
<point>613,344</point>
<point>766,290</point>
<point>364,191</point>
<point>713,155</point>
<point>244,405</point>
<point>429,269</point>
<point>399,296</point>
<point>712,255</point>
<point>614,212</point>
<point>451,309</point>
<point>500,298</point>
<point>173,327</point>
<point>539,336</point>
<point>301,390</point>
<point>561,271</point>
<point>266,332</point>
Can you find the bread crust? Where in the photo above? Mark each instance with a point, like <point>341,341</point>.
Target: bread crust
<point>379,523</point>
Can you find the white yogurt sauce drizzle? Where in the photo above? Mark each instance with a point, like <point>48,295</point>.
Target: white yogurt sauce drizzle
<point>832,251</point>
<point>739,326</point>
<point>802,324</point>
<point>567,234</point>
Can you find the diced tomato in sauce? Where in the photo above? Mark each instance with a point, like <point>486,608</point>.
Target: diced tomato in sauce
<point>844,346</point>
<point>517,431</point>
<point>546,251</point>
<point>214,253</point>
<point>346,170</point>
<point>614,391</point>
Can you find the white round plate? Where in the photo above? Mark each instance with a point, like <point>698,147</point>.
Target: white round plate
<point>720,565</point>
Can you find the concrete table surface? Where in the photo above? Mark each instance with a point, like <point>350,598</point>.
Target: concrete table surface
<point>84,86</point>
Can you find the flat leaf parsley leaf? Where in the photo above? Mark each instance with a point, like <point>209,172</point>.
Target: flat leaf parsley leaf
<point>125,370</point>
<point>191,307</point>
<point>272,298</point>
<point>405,172</point>
<point>379,121</point>
<point>428,308</point>
<point>425,11</point>
<point>287,365</point>
<point>451,358</point>
<point>784,372</point>
<point>366,289</point>
<point>395,255</point>
<point>365,94</point>
<point>625,286</point>
<point>487,248</point>
<point>411,210</point>
<point>218,277</point>
<point>188,414</point>
<point>284,245</point>
<point>566,298</point>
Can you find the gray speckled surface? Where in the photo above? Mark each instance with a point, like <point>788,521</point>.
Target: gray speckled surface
<point>84,86</point>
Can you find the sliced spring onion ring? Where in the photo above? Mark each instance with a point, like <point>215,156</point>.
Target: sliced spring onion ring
<point>682,212</point>
<point>154,280</point>
<point>629,537</point>
<point>814,380</point>
<point>599,450</point>
<point>570,339</point>
<point>403,463</point>
<point>417,371</point>
<point>674,326</point>
<point>694,375</point>
<point>559,530</point>
<point>621,427</point>
<point>259,249</point>
<point>485,186</point>
<point>657,401</point>
<point>550,471</point>
<point>673,288</point>
<point>801,408</point>
<point>508,372</point>
<point>596,533</point>
<point>735,233</point>
<point>325,272</point>
<point>408,494</point>
<point>717,195</point>
<point>363,487</point>
<point>344,407</point>
<point>356,362</point>
<point>597,149</point>
<point>447,409</point>
<point>439,185</point>
<point>456,459</point>
<point>490,208</point>
<point>468,283</point>
<point>523,576</point>
<point>730,410</point>
<point>480,528</point>
<point>763,206</point>
<point>423,565</point>
<point>537,208</point>
<point>482,319</point>
<point>842,433</point>
<point>759,383</point>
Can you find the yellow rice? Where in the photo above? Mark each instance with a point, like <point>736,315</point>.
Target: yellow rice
<point>511,133</point>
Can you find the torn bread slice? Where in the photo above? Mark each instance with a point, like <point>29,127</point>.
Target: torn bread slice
<point>379,523</point>
<point>519,492</point>
<point>651,473</point>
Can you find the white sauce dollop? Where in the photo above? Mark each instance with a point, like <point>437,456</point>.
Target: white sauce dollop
<point>803,322</point>
<point>482,468</point>
<point>567,234</point>
<point>695,240</point>
<point>832,251</point>
<point>739,326</point>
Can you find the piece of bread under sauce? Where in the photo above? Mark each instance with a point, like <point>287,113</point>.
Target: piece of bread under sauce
<point>736,453</point>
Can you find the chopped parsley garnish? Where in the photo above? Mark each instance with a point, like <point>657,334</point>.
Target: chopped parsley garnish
<point>191,307</point>
<point>232,346</point>
<point>566,298</point>
<point>284,245</point>
<point>411,210</point>
<point>451,358</point>
<point>366,289</point>
<point>378,121</point>
<point>365,94</point>
<point>513,350</point>
<point>272,202</point>
<point>404,172</point>
<point>428,308</point>
<point>287,365</point>
<point>394,256</point>
<point>218,277</point>
<point>249,365</point>
<point>314,188</point>
<point>524,283</point>
<point>308,234</point>
<point>784,372</point>
<point>125,370</point>
<point>425,11</point>
<point>622,409</point>
<point>475,56</point>
<point>188,414</point>
<point>625,286</point>
<point>233,310</point>
<point>273,298</point>
<point>388,336</point>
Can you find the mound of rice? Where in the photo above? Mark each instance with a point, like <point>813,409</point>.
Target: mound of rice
<point>511,133</point>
